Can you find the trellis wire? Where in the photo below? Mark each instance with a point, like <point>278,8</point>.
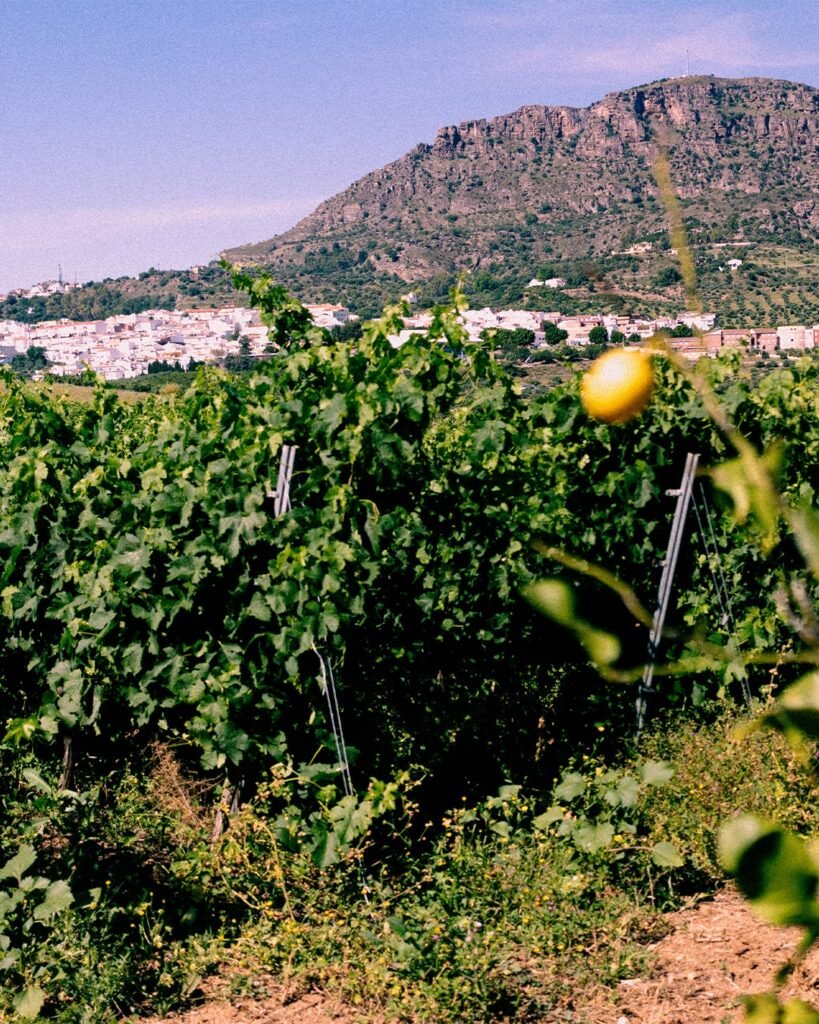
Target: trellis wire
<point>328,688</point>
<point>281,498</point>
<point>709,543</point>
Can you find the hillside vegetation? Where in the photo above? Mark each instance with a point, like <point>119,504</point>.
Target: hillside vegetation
<point>153,289</point>
<point>176,660</point>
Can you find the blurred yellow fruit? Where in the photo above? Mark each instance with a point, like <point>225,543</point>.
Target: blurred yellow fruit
<point>618,385</point>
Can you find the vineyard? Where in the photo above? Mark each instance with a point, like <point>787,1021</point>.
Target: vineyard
<point>334,740</point>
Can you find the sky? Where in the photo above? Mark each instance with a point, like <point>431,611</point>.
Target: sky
<point>139,133</point>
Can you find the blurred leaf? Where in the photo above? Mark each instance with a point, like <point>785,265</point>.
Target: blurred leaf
<point>766,1009</point>
<point>602,647</point>
<point>796,712</point>
<point>749,480</point>
<point>804,522</point>
<point>553,598</point>
<point>774,869</point>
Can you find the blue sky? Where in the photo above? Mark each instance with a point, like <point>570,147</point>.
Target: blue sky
<point>157,132</point>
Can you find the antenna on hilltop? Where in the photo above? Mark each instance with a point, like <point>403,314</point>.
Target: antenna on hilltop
<point>687,62</point>
<point>60,273</point>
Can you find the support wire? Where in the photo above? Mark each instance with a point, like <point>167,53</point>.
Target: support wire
<point>714,563</point>
<point>683,496</point>
<point>328,687</point>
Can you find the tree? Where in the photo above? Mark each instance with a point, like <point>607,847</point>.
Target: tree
<point>553,335</point>
<point>162,366</point>
<point>27,365</point>
<point>509,340</point>
<point>666,278</point>
<point>598,335</point>
<point>351,331</point>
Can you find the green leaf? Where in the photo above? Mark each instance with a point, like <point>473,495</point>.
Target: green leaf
<point>259,608</point>
<point>656,773</point>
<point>592,838</point>
<point>509,792</point>
<point>774,869</point>
<point>57,898</point>
<point>325,850</point>
<point>29,1002</point>
<point>625,793</point>
<point>665,855</point>
<point>397,926</point>
<point>19,863</point>
<point>10,959</point>
<point>20,730</point>
<point>572,785</point>
<point>36,781</point>
<point>543,821</point>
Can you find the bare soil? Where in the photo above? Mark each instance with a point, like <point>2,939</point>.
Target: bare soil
<point>713,954</point>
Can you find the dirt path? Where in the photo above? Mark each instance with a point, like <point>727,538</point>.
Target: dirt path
<point>714,953</point>
<point>273,1004</point>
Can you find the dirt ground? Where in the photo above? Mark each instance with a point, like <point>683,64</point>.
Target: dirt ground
<point>712,955</point>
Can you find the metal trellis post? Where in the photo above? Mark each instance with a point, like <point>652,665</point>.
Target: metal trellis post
<point>281,496</point>
<point>683,495</point>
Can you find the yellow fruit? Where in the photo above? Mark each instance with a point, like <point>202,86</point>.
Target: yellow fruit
<point>618,385</point>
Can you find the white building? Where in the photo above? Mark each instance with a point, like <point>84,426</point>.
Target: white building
<point>795,337</point>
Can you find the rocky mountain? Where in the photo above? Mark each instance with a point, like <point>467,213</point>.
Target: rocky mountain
<point>571,192</point>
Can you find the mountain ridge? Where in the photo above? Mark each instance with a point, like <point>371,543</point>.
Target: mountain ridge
<point>546,184</point>
<point>552,192</point>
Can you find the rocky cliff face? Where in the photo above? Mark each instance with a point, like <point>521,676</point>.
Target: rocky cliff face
<point>569,182</point>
